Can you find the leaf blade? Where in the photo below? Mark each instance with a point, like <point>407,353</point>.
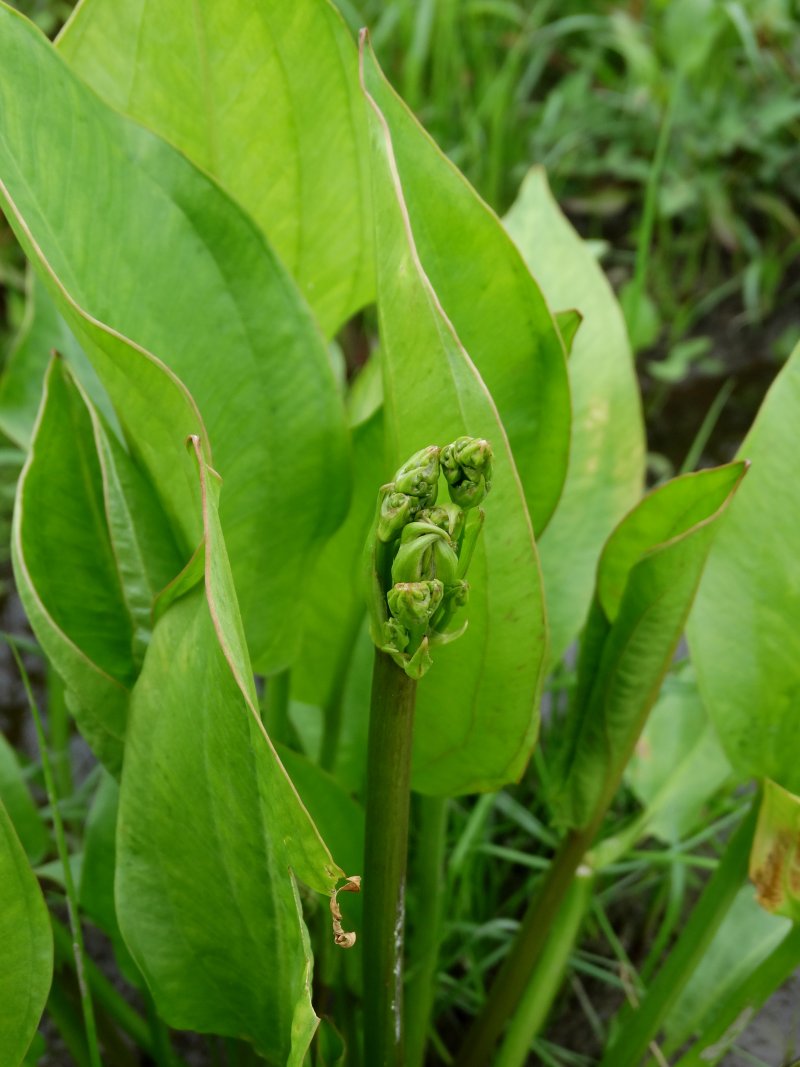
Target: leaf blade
<point>477,708</point>
<point>265,98</point>
<point>606,470</point>
<point>205,800</point>
<point>746,613</point>
<point>27,947</point>
<point>647,578</point>
<point>204,294</point>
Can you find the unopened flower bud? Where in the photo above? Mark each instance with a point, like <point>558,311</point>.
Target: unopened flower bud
<point>448,517</point>
<point>419,476</point>
<point>467,466</point>
<point>397,509</point>
<point>413,603</point>
<point>425,553</point>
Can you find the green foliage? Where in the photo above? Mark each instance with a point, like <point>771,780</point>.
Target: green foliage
<point>744,615</point>
<point>245,109</point>
<point>646,580</point>
<point>474,724</point>
<point>224,190</point>
<point>607,446</point>
<point>27,946</point>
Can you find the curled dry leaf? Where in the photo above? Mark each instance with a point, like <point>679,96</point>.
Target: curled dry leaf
<point>344,938</point>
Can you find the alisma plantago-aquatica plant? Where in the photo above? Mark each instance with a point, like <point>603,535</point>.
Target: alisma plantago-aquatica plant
<point>198,231</point>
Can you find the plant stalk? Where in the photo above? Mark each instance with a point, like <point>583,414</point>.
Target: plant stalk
<point>639,1027</point>
<point>512,979</point>
<point>427,930</point>
<point>386,848</point>
<point>545,980</point>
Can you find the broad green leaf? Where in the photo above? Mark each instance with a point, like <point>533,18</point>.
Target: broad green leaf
<point>744,630</point>
<point>77,608</point>
<point>646,580</point>
<point>19,805</point>
<point>606,468</point>
<point>477,707</point>
<point>265,98</point>
<point>338,817</point>
<point>336,601</point>
<point>27,948</point>
<point>678,764</point>
<point>211,832</point>
<point>744,940</point>
<point>145,552</point>
<point>203,294</point>
<point>484,289</point>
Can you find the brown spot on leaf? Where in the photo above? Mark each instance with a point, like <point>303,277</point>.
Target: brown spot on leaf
<point>768,879</point>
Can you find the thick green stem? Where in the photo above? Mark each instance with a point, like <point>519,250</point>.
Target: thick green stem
<point>639,1027</point>
<point>387,801</point>
<point>429,883</point>
<point>69,885</point>
<point>546,978</point>
<point>512,979</point>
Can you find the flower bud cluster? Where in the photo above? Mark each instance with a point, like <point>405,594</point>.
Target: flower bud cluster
<point>421,549</point>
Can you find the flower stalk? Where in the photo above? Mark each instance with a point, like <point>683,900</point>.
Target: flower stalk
<point>418,556</point>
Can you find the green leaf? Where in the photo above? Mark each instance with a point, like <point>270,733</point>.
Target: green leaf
<point>203,293</point>
<point>476,709</point>
<point>744,632</point>
<point>263,97</point>
<point>19,805</point>
<point>336,602</point>
<point>211,832</point>
<point>339,818</point>
<point>77,609</point>
<point>646,581</point>
<point>678,765</point>
<point>744,940</point>
<point>483,288</point>
<point>27,942</point>
<point>606,469</point>
<point>145,552</point>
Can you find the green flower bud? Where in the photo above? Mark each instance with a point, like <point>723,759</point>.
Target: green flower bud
<point>396,510</point>
<point>425,553</point>
<point>395,636</point>
<point>413,603</point>
<point>448,517</point>
<point>419,476</point>
<point>467,466</point>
